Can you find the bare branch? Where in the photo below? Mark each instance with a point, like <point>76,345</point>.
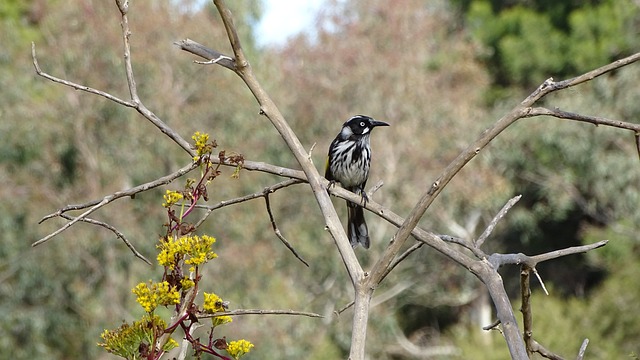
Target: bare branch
<point>195,48</point>
<point>492,326</point>
<point>97,204</point>
<point>496,219</point>
<point>498,260</point>
<point>74,85</point>
<point>595,120</point>
<point>135,100</point>
<point>471,151</point>
<point>277,231</point>
<point>256,195</point>
<point>525,307</point>
<point>595,73</point>
<point>115,231</point>
<point>536,347</point>
<point>544,288</point>
<point>637,136</point>
<point>583,349</point>
<point>568,251</point>
<point>477,252</point>
<point>405,254</point>
<point>260,312</point>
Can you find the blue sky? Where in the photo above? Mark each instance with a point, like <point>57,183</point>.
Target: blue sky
<point>284,18</point>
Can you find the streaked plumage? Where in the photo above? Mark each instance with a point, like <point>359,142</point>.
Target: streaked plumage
<point>348,163</point>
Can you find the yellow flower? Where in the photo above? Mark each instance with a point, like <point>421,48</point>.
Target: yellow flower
<point>187,283</point>
<point>221,320</point>
<point>168,251</point>
<point>199,249</point>
<point>171,198</point>
<point>194,249</point>
<point>238,348</point>
<point>213,303</point>
<point>150,295</point>
<point>201,146</point>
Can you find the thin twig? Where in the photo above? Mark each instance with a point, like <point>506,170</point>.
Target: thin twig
<point>537,347</point>
<point>583,349</point>
<point>595,120</point>
<point>406,254</point>
<point>375,188</point>
<point>277,231</point>
<point>345,308</point>
<point>195,48</point>
<point>637,137</point>
<point>544,288</point>
<point>135,102</point>
<point>115,231</point>
<point>256,195</point>
<point>478,243</point>
<point>97,204</point>
<point>492,326</point>
<point>73,85</point>
<point>260,312</point>
<point>498,260</point>
<point>213,61</point>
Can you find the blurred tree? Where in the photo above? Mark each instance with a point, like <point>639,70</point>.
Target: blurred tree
<point>559,38</point>
<point>59,146</point>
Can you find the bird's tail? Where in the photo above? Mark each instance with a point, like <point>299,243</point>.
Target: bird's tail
<point>357,227</point>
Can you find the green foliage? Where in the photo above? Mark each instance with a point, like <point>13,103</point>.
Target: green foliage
<point>527,43</point>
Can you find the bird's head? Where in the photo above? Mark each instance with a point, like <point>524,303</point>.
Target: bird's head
<point>359,125</point>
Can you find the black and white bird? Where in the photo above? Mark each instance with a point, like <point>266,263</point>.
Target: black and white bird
<point>348,163</point>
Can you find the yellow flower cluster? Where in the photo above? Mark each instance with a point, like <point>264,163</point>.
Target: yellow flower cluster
<point>201,146</point>
<point>150,295</point>
<point>194,249</point>
<point>125,341</point>
<point>213,304</point>
<point>238,348</point>
<point>187,283</point>
<point>171,197</point>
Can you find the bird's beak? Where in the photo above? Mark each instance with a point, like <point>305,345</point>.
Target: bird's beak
<point>375,123</point>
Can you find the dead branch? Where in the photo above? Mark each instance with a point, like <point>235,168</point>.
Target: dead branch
<point>492,225</point>
<point>238,200</point>
<point>583,349</point>
<point>498,260</point>
<point>135,100</point>
<point>595,120</point>
<point>118,234</point>
<point>97,204</point>
<point>277,231</point>
<point>260,312</point>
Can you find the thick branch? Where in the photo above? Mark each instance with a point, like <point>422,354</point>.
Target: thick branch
<point>498,260</point>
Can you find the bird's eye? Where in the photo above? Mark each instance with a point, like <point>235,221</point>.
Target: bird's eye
<point>362,124</point>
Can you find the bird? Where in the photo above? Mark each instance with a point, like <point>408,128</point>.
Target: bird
<point>348,163</point>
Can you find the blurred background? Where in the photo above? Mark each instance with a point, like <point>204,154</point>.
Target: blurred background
<point>440,72</point>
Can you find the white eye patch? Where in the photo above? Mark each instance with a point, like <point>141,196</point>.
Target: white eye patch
<point>346,132</point>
